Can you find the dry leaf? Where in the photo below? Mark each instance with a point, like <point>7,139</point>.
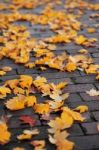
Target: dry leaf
<point>4,133</point>
<point>82,108</point>
<point>71,67</point>
<point>38,144</point>
<point>16,103</point>
<point>42,108</point>
<point>27,134</point>
<point>4,91</point>
<point>2,73</point>
<point>93,92</point>
<point>28,120</point>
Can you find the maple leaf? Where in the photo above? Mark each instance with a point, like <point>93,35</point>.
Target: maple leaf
<point>16,103</point>
<point>92,69</point>
<point>12,83</point>
<point>61,85</point>
<point>4,133</point>
<point>80,39</point>
<point>82,108</point>
<point>28,119</point>
<point>27,134</point>
<point>60,140</point>
<point>42,108</point>
<point>2,73</point>
<point>25,81</point>
<point>30,101</point>
<point>83,51</point>
<point>75,115</point>
<point>38,144</point>
<point>4,91</point>
<point>93,92</point>
<point>71,66</point>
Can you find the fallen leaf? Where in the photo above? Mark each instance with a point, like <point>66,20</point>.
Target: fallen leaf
<point>93,92</point>
<point>38,144</point>
<point>4,133</point>
<point>15,103</point>
<point>27,134</point>
<point>4,91</point>
<point>6,68</point>
<point>28,120</point>
<point>42,108</point>
<point>70,66</point>
<point>82,108</point>
<point>2,73</point>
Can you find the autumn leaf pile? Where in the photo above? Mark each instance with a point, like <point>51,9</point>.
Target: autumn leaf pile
<point>17,44</point>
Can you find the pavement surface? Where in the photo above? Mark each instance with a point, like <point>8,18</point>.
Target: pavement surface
<point>85,135</point>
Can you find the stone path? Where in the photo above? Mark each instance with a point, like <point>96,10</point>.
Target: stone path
<point>85,135</point>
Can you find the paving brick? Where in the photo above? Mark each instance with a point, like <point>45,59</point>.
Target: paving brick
<point>96,60</point>
<point>31,71</point>
<point>2,111</point>
<point>88,117</point>
<point>96,55</point>
<point>78,88</point>
<point>26,111</point>
<point>75,130</point>
<point>90,128</point>
<point>4,78</point>
<point>97,85</point>
<point>74,98</point>
<point>59,75</point>
<point>90,142</point>
<point>85,79</point>
<point>84,135</point>
<point>96,115</point>
<point>87,97</point>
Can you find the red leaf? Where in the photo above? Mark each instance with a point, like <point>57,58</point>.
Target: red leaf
<point>27,119</point>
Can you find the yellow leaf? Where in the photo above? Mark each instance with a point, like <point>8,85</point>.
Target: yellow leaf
<point>61,85</point>
<point>12,83</point>
<point>42,108</point>
<point>59,139</point>
<point>18,90</point>
<point>91,30</point>
<point>92,69</point>
<point>39,81</point>
<point>4,91</point>
<point>2,73</point>
<point>27,134</point>
<point>16,103</point>
<point>83,51</point>
<point>75,115</point>
<point>70,66</point>
<point>80,40</point>
<point>30,101</point>
<point>82,108</point>
<point>4,133</point>
<point>25,81</point>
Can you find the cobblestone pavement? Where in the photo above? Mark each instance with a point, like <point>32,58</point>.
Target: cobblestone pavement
<point>85,135</point>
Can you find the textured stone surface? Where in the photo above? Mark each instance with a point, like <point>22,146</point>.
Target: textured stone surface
<point>85,135</point>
